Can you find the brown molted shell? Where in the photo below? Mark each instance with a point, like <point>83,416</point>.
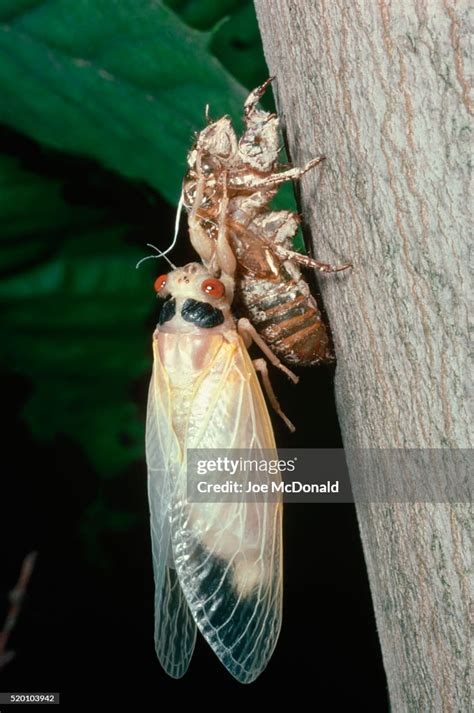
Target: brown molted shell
<point>270,290</point>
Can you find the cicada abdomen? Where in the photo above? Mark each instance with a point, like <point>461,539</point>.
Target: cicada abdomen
<point>269,289</point>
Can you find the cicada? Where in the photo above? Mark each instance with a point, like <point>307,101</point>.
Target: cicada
<point>217,566</point>
<point>246,174</point>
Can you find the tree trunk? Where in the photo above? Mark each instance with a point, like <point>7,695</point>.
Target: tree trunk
<point>381,90</point>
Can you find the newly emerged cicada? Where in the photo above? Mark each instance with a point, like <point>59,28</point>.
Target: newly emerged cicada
<point>217,566</point>
<point>246,174</point>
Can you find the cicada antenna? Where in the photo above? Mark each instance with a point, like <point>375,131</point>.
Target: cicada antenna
<point>160,254</point>
<point>173,243</point>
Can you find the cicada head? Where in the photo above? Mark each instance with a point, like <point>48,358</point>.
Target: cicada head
<point>215,147</point>
<point>194,298</point>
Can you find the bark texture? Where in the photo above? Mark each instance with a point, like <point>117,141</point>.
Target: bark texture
<point>381,89</point>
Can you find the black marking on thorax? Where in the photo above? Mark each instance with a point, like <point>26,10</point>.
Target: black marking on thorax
<point>202,314</point>
<point>168,310</point>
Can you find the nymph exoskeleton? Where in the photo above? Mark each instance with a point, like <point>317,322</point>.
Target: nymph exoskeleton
<point>217,566</point>
<point>246,174</point>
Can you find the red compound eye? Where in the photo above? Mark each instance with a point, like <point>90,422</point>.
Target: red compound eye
<point>160,282</point>
<point>213,287</point>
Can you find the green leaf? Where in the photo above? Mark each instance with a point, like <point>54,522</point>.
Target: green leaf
<point>72,311</point>
<point>236,40</point>
<point>238,45</point>
<point>205,14</point>
<point>123,82</point>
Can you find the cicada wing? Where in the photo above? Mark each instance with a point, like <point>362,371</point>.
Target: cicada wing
<point>229,555</point>
<point>175,630</point>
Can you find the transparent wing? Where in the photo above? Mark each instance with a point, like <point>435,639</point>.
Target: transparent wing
<point>175,630</point>
<point>229,555</point>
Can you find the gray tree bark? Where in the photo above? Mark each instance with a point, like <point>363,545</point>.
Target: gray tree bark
<point>381,89</point>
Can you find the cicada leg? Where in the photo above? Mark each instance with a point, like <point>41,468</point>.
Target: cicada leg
<point>310,262</point>
<point>254,97</point>
<point>224,253</point>
<point>274,179</point>
<point>261,366</point>
<point>203,244</point>
<point>248,332</point>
